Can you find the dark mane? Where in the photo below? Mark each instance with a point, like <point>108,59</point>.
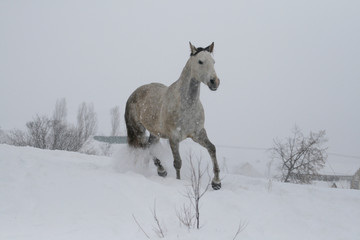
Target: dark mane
<point>200,49</point>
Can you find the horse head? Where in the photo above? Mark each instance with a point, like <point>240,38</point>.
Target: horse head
<point>202,66</point>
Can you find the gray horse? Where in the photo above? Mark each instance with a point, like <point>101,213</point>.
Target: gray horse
<point>174,112</point>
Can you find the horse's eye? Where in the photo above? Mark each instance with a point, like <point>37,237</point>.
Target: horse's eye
<point>201,62</point>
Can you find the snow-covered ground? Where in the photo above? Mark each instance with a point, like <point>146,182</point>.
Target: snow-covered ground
<point>61,195</point>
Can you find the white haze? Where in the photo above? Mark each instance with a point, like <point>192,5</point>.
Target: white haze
<point>280,63</point>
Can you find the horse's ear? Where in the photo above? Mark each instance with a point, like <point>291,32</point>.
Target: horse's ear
<point>211,47</point>
<point>192,49</point>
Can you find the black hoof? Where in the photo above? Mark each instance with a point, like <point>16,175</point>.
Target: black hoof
<point>162,173</point>
<point>216,186</point>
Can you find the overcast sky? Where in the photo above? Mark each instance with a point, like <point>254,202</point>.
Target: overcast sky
<point>280,63</point>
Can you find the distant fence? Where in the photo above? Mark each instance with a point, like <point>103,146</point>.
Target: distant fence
<point>112,139</point>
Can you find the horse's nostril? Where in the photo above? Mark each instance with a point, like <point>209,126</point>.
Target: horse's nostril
<point>212,81</point>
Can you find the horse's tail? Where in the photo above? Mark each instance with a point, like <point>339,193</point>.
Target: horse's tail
<point>135,130</point>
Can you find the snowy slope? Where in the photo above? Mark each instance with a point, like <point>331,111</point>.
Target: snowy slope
<point>62,195</point>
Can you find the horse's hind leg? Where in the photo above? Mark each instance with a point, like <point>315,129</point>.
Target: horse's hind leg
<point>204,141</point>
<point>160,169</point>
<point>174,145</point>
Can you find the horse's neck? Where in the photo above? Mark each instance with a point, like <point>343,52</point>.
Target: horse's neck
<point>188,87</point>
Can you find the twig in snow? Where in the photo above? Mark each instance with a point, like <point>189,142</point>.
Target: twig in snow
<point>242,226</point>
<point>158,229</point>
<point>186,216</point>
<point>140,226</point>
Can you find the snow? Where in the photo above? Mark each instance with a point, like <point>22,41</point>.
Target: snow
<point>62,195</point>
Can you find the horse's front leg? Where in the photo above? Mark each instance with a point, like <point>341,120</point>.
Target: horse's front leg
<point>204,141</point>
<point>174,145</point>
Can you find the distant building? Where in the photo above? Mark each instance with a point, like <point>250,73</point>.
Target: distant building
<point>344,181</point>
<point>355,181</point>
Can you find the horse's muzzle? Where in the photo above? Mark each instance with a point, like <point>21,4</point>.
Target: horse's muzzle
<point>214,84</point>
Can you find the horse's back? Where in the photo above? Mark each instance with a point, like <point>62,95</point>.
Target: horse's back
<point>148,92</point>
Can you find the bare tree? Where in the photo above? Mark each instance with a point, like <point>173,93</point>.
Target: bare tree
<point>58,139</point>
<point>39,130</point>
<point>60,111</point>
<point>63,135</point>
<point>56,133</point>
<point>2,136</point>
<point>37,134</point>
<point>301,156</point>
<point>86,123</point>
<point>17,137</point>
<point>194,193</point>
<point>70,139</point>
<point>115,121</point>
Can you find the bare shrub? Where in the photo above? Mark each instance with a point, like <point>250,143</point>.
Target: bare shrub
<point>138,224</point>
<point>58,136</point>
<point>86,123</point>
<point>194,193</point>
<point>115,121</point>
<point>241,227</point>
<point>70,141</point>
<point>301,156</point>
<point>186,216</point>
<point>158,229</point>
<point>17,137</point>
<point>2,136</point>
<point>56,133</point>
<point>39,130</point>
